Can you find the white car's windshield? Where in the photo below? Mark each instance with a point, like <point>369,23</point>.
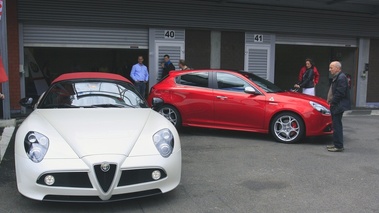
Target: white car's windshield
<point>94,93</point>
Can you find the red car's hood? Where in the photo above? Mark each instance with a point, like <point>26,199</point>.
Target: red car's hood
<point>302,96</point>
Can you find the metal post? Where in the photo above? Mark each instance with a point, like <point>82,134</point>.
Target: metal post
<point>4,55</point>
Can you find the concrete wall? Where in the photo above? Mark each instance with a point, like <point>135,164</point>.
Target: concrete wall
<point>198,48</point>
<point>373,81</point>
<point>232,50</point>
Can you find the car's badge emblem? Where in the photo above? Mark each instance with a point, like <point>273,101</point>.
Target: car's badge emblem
<point>271,99</point>
<point>105,167</point>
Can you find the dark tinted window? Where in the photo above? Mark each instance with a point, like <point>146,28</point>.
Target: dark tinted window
<point>199,79</point>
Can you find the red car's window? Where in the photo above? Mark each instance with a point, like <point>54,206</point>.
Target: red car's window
<point>199,79</point>
<point>226,81</point>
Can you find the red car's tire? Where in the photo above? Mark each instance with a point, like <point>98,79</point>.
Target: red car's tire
<point>172,114</point>
<point>287,127</point>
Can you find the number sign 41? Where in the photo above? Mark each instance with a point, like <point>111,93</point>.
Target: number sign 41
<point>258,38</point>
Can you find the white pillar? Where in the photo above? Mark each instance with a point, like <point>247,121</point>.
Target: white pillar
<point>363,58</point>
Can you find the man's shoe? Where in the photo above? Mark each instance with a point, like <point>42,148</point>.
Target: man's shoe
<point>335,149</point>
<point>330,146</point>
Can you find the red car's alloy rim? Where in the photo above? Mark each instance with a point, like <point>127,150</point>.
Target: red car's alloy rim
<point>287,128</point>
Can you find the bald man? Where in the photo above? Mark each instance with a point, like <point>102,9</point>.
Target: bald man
<point>339,101</point>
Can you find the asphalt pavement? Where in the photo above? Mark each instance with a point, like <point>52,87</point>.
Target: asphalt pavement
<point>232,171</point>
<point>7,127</point>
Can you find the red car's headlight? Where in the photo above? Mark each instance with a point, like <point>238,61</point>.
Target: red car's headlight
<point>320,108</point>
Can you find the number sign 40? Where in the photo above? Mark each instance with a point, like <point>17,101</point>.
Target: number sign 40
<point>169,34</point>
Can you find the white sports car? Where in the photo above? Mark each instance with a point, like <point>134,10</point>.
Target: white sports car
<point>92,138</point>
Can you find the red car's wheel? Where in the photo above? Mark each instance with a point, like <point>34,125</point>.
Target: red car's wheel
<point>287,127</point>
<point>172,114</point>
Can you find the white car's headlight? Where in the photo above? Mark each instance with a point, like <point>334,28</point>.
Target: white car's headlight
<point>36,146</point>
<point>164,141</point>
<point>319,108</point>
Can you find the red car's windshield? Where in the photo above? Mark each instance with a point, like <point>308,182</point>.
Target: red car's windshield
<point>266,85</point>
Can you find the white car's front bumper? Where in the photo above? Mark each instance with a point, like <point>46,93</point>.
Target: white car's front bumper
<point>131,177</point>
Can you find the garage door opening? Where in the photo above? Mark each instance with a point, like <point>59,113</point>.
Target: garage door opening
<point>290,58</point>
<point>50,62</point>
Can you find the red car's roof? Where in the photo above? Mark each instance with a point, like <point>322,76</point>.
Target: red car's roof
<point>90,75</point>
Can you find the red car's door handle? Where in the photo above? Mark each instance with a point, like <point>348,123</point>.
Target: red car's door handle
<point>221,97</point>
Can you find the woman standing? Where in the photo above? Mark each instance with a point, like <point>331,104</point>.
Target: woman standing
<point>307,82</point>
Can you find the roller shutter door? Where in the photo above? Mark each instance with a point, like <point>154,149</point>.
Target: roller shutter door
<point>316,40</point>
<point>37,35</point>
<point>257,60</point>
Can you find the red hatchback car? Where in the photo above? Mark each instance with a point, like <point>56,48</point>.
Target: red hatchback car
<point>239,100</point>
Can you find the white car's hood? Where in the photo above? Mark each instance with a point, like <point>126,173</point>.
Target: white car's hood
<point>98,131</point>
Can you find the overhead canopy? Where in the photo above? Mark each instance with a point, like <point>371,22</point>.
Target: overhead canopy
<point>353,18</point>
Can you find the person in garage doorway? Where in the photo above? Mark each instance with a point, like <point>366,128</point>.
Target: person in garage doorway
<point>140,76</point>
<point>315,71</point>
<point>167,65</point>
<point>307,78</point>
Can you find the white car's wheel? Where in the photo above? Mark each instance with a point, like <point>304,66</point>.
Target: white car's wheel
<point>172,114</point>
<point>287,127</point>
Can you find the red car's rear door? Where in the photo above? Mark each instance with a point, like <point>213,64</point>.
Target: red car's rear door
<point>194,99</point>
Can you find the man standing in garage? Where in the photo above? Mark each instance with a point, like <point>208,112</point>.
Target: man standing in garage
<point>140,76</point>
<point>339,101</point>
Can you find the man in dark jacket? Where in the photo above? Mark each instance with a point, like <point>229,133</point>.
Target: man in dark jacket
<point>167,66</point>
<point>339,101</point>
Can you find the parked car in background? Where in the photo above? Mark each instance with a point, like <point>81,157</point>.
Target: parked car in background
<point>239,100</point>
<point>92,138</point>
